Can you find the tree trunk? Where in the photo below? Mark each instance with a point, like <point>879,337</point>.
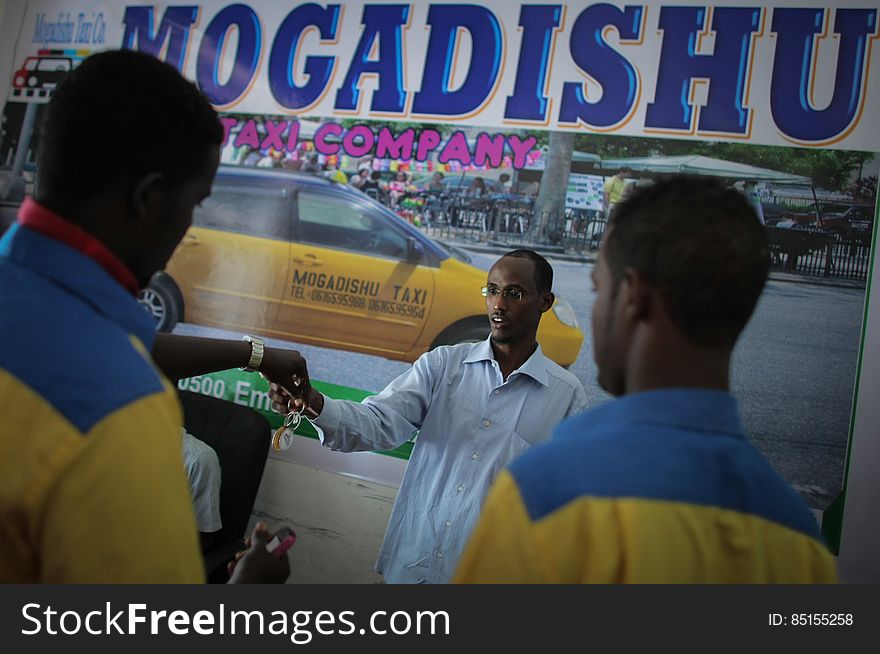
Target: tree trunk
<point>548,220</point>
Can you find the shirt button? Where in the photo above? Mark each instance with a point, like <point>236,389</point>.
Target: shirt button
<point>487,423</point>
<point>497,391</point>
<point>448,523</point>
<point>460,488</point>
<point>439,555</point>
<point>475,456</point>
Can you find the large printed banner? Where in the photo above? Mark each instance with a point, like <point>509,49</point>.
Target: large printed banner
<point>793,72</point>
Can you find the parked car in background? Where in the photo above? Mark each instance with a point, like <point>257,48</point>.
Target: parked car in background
<point>296,256</point>
<point>846,217</point>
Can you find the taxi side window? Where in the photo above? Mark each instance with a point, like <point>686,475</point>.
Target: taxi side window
<point>254,210</point>
<point>53,65</point>
<point>339,223</point>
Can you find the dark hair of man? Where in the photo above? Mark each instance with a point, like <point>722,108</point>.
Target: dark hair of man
<point>701,246</point>
<point>543,270</point>
<point>117,117</point>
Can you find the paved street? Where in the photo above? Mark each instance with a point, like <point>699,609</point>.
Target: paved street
<point>793,371</point>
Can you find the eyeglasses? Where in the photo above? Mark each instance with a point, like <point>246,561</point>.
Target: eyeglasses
<point>513,294</point>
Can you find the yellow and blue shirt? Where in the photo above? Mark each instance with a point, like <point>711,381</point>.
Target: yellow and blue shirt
<point>655,487</point>
<point>92,485</point>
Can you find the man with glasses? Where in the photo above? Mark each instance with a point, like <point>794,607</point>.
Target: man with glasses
<point>476,406</point>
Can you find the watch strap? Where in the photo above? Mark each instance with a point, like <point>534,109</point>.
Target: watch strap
<point>257,349</point>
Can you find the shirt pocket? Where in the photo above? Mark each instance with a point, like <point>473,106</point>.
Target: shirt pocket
<point>533,426</point>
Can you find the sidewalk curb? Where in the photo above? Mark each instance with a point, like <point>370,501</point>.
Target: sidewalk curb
<point>553,253</point>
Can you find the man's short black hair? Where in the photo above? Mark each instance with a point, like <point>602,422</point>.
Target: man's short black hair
<point>117,117</point>
<point>543,270</point>
<point>701,246</point>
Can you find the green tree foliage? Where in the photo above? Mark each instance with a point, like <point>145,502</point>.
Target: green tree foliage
<point>864,189</point>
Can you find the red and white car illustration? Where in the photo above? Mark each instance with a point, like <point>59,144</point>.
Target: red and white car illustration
<point>39,75</point>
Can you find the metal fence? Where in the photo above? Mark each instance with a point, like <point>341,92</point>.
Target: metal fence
<point>513,223</point>
<point>841,255</point>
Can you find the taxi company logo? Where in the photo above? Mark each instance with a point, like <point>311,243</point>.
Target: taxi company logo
<point>83,29</point>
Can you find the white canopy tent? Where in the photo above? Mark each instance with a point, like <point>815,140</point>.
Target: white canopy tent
<point>696,164</point>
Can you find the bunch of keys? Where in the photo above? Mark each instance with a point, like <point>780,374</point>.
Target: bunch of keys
<point>282,439</point>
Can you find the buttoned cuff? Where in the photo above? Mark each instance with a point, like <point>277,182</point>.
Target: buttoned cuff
<point>329,418</point>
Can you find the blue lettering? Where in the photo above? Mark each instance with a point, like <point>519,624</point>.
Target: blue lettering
<point>283,57</point>
<point>790,104</point>
<point>528,101</point>
<point>591,52</point>
<point>246,57</point>
<point>727,69</point>
<point>435,97</point>
<point>385,23</point>
<point>173,31</point>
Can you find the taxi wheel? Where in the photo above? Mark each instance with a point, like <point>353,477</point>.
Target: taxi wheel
<point>466,331</point>
<point>163,300</point>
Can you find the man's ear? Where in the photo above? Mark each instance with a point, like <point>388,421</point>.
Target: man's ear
<point>636,295</point>
<point>547,300</point>
<point>147,196</point>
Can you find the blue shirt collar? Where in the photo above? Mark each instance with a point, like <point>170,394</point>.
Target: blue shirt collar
<point>79,275</point>
<point>535,367</point>
<point>696,409</point>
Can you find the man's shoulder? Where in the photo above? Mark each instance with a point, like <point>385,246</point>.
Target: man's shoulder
<point>596,455</point>
<point>81,363</point>
<point>563,376</point>
<point>576,436</point>
<point>552,474</point>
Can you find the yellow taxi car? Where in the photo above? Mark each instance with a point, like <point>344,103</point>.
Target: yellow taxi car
<point>300,258</point>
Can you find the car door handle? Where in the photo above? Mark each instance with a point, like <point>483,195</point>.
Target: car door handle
<point>191,239</point>
<point>308,260</point>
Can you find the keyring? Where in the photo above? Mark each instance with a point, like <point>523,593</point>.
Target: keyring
<point>282,439</point>
<point>292,420</point>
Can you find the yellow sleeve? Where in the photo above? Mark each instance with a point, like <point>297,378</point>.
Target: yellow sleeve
<point>502,548</point>
<point>119,511</point>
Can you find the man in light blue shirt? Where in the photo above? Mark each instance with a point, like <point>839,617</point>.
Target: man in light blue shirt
<point>476,406</point>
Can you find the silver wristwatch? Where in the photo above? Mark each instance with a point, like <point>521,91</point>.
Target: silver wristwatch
<point>257,349</point>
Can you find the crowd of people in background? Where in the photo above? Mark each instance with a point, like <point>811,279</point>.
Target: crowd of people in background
<point>391,185</point>
<point>395,184</point>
